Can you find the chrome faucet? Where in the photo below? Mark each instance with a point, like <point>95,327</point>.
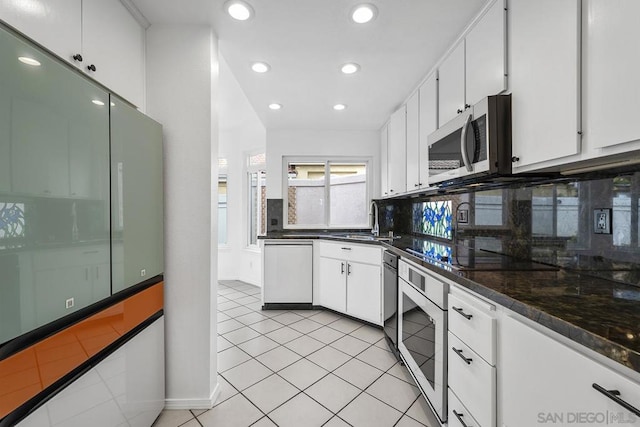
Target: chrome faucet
<point>373,211</point>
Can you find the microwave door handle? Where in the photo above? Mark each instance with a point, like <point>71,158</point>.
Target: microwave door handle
<point>463,144</point>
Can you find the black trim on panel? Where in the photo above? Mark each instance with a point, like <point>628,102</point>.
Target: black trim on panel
<point>32,337</point>
<point>47,394</point>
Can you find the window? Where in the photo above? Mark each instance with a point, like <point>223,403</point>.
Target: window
<point>257,197</point>
<point>323,193</point>
<point>222,209</point>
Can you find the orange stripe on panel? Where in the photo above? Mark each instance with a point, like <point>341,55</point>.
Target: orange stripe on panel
<point>30,371</point>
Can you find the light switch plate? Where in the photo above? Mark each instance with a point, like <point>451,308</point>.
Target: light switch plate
<point>463,216</point>
<point>602,221</point>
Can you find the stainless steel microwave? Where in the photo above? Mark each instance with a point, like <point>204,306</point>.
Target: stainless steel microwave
<point>476,143</point>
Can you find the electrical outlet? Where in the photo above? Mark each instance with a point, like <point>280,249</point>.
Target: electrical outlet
<point>143,272</point>
<point>69,303</point>
<point>602,221</point>
<point>463,216</point>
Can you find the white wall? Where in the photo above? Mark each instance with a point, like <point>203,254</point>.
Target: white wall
<point>182,83</point>
<point>318,143</point>
<point>241,132</point>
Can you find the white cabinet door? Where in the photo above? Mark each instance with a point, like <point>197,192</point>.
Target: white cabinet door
<point>384,161</point>
<point>485,55</point>
<point>611,103</point>
<point>428,123</point>
<point>451,85</point>
<point>544,380</point>
<point>397,156</point>
<point>364,296</point>
<point>113,42</point>
<point>57,25</point>
<point>413,142</point>
<point>332,275</point>
<point>544,64</point>
<point>288,273</point>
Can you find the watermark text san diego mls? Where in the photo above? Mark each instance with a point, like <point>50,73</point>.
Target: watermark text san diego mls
<point>604,418</point>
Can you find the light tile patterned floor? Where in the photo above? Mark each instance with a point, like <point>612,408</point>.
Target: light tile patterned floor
<point>302,368</point>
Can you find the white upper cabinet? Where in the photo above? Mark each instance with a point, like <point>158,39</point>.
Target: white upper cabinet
<point>384,161</point>
<point>611,103</point>
<point>544,70</point>
<point>451,85</point>
<point>413,142</point>
<point>113,42</point>
<point>428,123</point>
<point>485,55</point>
<point>100,37</point>
<point>397,152</point>
<point>57,25</point>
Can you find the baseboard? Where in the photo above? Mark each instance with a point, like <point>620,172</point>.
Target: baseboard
<point>194,403</point>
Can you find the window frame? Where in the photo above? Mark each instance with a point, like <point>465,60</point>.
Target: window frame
<point>327,160</point>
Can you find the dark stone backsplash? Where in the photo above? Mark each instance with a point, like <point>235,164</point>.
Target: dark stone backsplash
<point>551,223</point>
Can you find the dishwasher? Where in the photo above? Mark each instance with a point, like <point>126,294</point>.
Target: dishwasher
<point>390,312</point>
<point>287,274</point>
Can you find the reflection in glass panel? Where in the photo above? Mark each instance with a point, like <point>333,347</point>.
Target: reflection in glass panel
<point>257,206</point>
<point>222,209</point>
<point>305,193</point>
<point>488,207</point>
<point>348,194</point>
<point>542,216</point>
<point>568,209</point>
<point>54,190</point>
<point>622,211</point>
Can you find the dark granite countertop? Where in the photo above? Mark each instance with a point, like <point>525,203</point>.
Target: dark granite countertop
<point>585,305</point>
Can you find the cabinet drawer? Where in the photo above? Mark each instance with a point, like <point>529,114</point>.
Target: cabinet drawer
<point>459,416</point>
<point>367,254</point>
<point>473,381</point>
<point>469,320</point>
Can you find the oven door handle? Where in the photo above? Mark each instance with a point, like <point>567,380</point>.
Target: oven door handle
<point>467,360</point>
<point>463,144</point>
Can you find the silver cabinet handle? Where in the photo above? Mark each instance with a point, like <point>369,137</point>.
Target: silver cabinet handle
<point>462,313</point>
<point>467,360</point>
<point>348,269</point>
<point>459,417</point>
<point>463,144</point>
<point>342,268</point>
<point>346,249</point>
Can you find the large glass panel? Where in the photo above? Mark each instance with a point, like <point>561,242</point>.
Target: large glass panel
<point>433,218</point>
<point>222,209</point>
<point>348,194</point>
<point>137,196</point>
<point>306,193</point>
<point>54,189</point>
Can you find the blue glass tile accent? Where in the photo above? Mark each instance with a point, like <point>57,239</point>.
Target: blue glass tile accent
<point>433,218</point>
<point>11,220</point>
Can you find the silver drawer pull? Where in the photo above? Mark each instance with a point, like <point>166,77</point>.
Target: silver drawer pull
<point>459,417</point>
<point>462,313</point>
<point>613,395</point>
<point>467,360</point>
<point>346,249</point>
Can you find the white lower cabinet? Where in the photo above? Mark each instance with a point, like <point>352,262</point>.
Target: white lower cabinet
<point>542,381</point>
<point>459,416</point>
<point>349,279</point>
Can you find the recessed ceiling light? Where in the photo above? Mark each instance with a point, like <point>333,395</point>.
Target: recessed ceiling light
<point>363,13</point>
<point>112,104</point>
<point>260,67</point>
<point>350,68</point>
<point>239,10</point>
<point>339,107</point>
<point>275,106</point>
<point>97,102</point>
<point>29,61</point>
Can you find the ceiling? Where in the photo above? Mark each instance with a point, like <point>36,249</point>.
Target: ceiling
<point>306,42</point>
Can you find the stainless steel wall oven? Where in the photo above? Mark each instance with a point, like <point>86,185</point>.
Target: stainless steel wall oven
<point>422,304</point>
